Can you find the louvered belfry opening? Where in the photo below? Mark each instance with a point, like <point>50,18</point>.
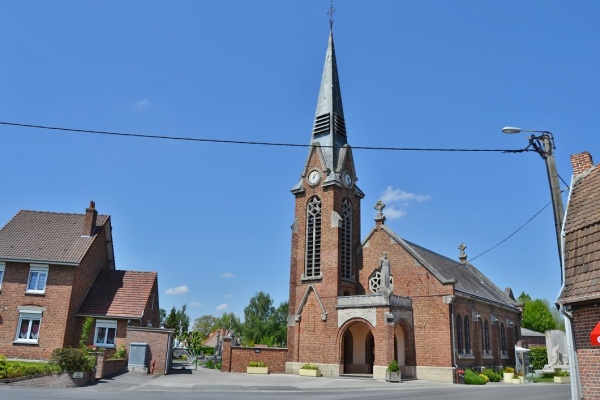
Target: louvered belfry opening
<point>313,238</point>
<point>346,240</point>
<point>323,124</point>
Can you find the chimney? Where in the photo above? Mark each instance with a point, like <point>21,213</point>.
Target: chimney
<point>581,162</point>
<point>89,221</point>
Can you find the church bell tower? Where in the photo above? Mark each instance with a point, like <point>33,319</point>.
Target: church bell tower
<point>326,229</point>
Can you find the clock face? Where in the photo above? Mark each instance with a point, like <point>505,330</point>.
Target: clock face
<point>347,178</point>
<point>314,177</point>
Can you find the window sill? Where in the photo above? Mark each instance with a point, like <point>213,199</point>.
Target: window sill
<point>349,280</point>
<point>466,357</point>
<point>35,293</point>
<point>311,278</point>
<point>488,357</point>
<point>504,356</point>
<point>29,342</point>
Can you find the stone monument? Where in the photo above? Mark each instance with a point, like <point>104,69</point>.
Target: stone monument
<point>557,351</point>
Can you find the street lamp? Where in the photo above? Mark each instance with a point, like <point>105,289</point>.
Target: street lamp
<point>543,144</point>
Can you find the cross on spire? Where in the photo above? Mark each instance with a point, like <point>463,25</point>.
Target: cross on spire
<point>330,13</point>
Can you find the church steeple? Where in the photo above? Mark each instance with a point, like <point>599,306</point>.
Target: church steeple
<point>329,129</point>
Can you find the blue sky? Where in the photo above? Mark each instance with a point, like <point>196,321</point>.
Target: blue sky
<point>213,219</point>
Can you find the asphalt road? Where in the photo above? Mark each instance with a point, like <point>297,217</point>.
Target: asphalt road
<point>209,384</point>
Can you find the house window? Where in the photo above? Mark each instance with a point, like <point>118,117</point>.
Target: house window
<point>502,339</point>
<point>313,238</point>
<point>28,330</point>
<point>106,332</point>
<point>36,283</point>
<point>1,273</point>
<point>346,240</point>
<point>459,336</point>
<point>467,336</point>
<point>486,333</point>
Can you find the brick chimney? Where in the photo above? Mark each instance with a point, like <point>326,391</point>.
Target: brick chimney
<point>89,221</point>
<point>581,162</point>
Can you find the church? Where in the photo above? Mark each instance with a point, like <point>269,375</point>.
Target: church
<point>356,303</point>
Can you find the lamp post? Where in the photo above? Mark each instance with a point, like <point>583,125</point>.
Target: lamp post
<point>543,144</point>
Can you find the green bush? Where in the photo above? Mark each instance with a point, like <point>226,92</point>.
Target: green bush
<point>492,375</point>
<point>120,354</point>
<point>256,364</point>
<point>393,366</point>
<point>209,364</point>
<point>310,366</point>
<point>471,378</point>
<point>217,366</point>
<point>18,369</point>
<point>538,357</point>
<point>72,360</point>
<point>509,370</point>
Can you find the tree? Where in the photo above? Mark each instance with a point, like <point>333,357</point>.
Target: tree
<point>524,298</point>
<point>537,316</point>
<point>230,321</point>
<point>162,315</point>
<point>178,320</point>
<point>264,323</point>
<point>205,325</point>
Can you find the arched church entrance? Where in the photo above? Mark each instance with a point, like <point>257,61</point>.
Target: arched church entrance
<point>358,349</point>
<point>400,346</point>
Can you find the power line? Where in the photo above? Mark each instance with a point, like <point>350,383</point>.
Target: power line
<point>222,141</point>
<point>512,234</point>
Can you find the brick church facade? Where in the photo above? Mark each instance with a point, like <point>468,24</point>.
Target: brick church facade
<point>356,304</point>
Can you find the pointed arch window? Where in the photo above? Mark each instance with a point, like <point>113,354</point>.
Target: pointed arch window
<point>459,335</point>
<point>313,238</point>
<point>486,337</point>
<point>346,240</point>
<point>503,339</point>
<point>467,336</point>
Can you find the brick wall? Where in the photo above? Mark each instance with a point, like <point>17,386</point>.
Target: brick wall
<point>236,359</point>
<point>584,320</point>
<point>160,344</point>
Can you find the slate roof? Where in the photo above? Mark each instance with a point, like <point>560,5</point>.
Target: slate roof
<point>46,237</point>
<point>467,279</point>
<point>119,294</point>
<point>582,239</point>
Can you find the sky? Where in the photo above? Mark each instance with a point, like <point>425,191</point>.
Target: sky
<point>214,219</point>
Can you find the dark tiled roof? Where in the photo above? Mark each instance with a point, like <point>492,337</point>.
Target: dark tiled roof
<point>582,239</point>
<point>46,236</point>
<point>118,293</point>
<point>468,280</point>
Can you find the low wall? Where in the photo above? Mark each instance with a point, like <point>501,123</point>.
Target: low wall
<point>236,359</point>
<point>436,374</point>
<point>62,380</point>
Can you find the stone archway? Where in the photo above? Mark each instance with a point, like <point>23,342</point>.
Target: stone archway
<point>358,346</point>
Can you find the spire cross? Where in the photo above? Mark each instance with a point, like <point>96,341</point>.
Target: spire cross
<point>330,13</point>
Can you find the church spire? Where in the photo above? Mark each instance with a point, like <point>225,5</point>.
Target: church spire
<point>329,129</point>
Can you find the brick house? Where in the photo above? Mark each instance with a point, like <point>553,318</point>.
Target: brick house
<point>580,294</point>
<point>53,263</point>
<point>355,306</point>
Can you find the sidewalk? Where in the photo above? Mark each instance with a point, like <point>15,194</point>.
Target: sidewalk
<point>211,380</point>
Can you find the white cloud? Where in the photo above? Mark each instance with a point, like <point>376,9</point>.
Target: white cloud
<point>397,200</point>
<point>391,195</point>
<point>222,307</point>
<point>227,275</point>
<point>195,304</point>
<point>143,103</point>
<point>183,289</point>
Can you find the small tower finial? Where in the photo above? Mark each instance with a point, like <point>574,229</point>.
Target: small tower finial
<point>462,256</point>
<point>330,13</point>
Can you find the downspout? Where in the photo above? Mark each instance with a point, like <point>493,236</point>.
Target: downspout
<point>453,340</point>
<point>573,359</point>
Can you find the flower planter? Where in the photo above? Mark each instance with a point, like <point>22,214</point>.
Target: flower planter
<point>310,372</point>
<point>515,381</point>
<point>562,379</point>
<point>392,376</point>
<point>508,376</point>
<point>257,370</point>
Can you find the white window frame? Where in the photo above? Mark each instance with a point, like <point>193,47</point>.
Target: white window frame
<point>105,324</point>
<point>2,265</point>
<point>29,334</point>
<point>37,269</point>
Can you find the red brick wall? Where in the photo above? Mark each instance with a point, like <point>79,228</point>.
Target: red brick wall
<point>236,359</point>
<point>584,320</point>
<point>160,344</point>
